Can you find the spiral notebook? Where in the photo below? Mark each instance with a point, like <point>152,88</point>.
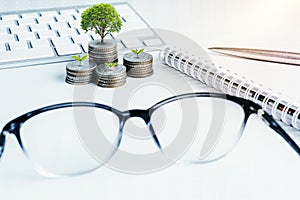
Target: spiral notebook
<point>280,107</point>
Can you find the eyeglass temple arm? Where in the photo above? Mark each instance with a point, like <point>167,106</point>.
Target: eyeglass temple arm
<point>276,127</point>
<point>2,143</point>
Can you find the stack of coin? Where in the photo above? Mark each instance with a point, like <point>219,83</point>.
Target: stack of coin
<point>105,52</point>
<point>138,66</point>
<point>80,73</point>
<point>110,77</point>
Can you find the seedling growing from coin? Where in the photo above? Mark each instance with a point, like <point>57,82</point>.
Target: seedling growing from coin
<point>102,18</point>
<point>79,58</point>
<point>111,65</point>
<point>137,52</point>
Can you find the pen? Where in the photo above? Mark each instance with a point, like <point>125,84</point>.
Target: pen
<point>284,57</point>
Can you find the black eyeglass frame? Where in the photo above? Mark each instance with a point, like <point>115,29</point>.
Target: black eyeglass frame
<point>249,108</point>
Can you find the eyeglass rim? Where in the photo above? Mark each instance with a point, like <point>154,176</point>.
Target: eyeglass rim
<point>15,125</point>
<point>249,107</point>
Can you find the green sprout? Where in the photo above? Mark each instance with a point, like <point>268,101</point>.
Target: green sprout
<point>111,65</point>
<point>79,58</point>
<point>137,52</point>
<point>102,18</point>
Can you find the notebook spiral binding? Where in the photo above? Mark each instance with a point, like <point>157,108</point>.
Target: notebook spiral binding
<point>280,107</point>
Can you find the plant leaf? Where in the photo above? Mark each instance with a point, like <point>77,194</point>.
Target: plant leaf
<point>76,57</point>
<point>111,64</point>
<point>134,51</point>
<point>102,19</point>
<point>141,51</point>
<point>84,57</point>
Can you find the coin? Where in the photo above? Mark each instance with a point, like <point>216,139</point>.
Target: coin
<point>139,72</point>
<point>111,85</point>
<point>75,83</point>
<point>103,56</point>
<point>79,78</point>
<point>110,76</point>
<point>102,52</point>
<point>138,66</point>
<point>140,75</point>
<point>106,44</point>
<point>78,81</point>
<point>84,66</point>
<point>141,58</point>
<point>109,60</point>
<point>80,73</point>
<point>111,79</point>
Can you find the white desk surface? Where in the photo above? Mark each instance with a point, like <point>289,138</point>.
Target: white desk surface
<point>262,166</point>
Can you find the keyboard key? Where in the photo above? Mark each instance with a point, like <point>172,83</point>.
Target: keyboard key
<point>26,36</point>
<point>91,34</point>
<point>68,12</point>
<point>95,36</point>
<point>64,18</point>
<point>134,25</point>
<point>49,13</point>
<point>67,49</point>
<point>131,18</point>
<point>77,16</point>
<point>85,48</point>
<point>81,32</point>
<point>18,45</point>
<point>132,43</point>
<point>2,47</point>
<point>20,54</point>
<point>67,32</point>
<point>17,29</point>
<point>106,37</point>
<point>45,19</point>
<point>74,23</point>
<point>7,38</point>
<point>26,21</point>
<point>124,10</point>
<point>40,43</point>
<point>8,22</point>
<point>81,39</point>
<point>152,42</point>
<point>47,34</point>
<point>134,29</point>
<point>58,25</point>
<point>61,40</point>
<point>38,27</point>
<point>81,10</point>
<point>3,30</point>
<point>144,32</point>
<point>120,46</point>
<point>30,15</point>
<point>10,17</point>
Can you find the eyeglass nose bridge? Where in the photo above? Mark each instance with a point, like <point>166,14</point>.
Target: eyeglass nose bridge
<point>144,114</point>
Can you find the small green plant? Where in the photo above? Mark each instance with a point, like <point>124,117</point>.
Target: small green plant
<point>79,58</point>
<point>111,65</point>
<point>137,52</point>
<point>102,19</point>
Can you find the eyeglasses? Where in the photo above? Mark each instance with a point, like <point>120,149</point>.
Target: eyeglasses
<point>78,137</point>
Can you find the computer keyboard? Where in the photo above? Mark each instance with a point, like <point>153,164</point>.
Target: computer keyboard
<point>53,35</point>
